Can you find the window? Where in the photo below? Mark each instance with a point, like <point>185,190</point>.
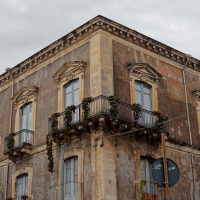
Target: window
<point>22,183</point>
<point>146,165</point>
<point>71,97</point>
<point>143,97</point>
<point>70,84</point>
<point>25,124</point>
<point>71,179</point>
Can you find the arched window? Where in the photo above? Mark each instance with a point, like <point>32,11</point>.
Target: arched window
<point>25,124</point>
<point>71,97</point>
<point>71,179</point>
<point>22,185</point>
<point>143,97</point>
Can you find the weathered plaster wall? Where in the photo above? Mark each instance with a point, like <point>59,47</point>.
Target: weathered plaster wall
<point>47,94</point>
<point>171,97</point>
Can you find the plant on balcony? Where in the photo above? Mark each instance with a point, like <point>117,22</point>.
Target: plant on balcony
<point>54,124</point>
<point>142,182</point>
<point>85,106</point>
<point>10,143</point>
<point>49,146</point>
<point>68,116</point>
<point>114,114</point>
<point>137,109</point>
<point>160,120</point>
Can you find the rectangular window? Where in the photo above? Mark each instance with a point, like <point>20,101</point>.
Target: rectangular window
<point>71,97</point>
<point>143,97</point>
<point>146,165</point>
<point>22,183</point>
<point>71,179</point>
<point>25,124</point>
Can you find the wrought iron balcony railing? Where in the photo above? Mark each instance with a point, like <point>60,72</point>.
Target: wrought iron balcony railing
<point>21,138</point>
<point>100,106</point>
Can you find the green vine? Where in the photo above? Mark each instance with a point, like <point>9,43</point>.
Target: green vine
<point>114,114</point>
<point>137,109</point>
<point>142,182</point>
<point>160,120</point>
<point>85,106</point>
<point>68,116</point>
<point>54,124</point>
<point>10,143</point>
<point>49,146</point>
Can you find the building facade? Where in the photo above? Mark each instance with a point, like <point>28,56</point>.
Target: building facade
<point>100,156</point>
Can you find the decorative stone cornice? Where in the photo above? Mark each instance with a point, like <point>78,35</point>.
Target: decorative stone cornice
<point>24,95</point>
<point>86,29</point>
<point>196,93</point>
<point>144,72</point>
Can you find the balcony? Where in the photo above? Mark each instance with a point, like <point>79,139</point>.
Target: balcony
<point>99,116</point>
<point>19,144</point>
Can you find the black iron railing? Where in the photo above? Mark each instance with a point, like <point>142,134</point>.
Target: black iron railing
<point>20,138</point>
<point>100,106</point>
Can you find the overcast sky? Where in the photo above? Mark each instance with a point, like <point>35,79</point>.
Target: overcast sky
<point>26,26</point>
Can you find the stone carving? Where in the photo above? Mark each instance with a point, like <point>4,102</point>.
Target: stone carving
<point>196,93</point>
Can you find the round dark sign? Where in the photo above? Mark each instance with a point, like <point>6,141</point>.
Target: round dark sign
<point>158,172</point>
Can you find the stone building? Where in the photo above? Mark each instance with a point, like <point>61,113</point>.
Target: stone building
<point>101,159</point>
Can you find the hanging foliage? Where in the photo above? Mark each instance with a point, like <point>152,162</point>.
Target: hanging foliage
<point>160,120</point>
<point>49,146</point>
<point>137,109</point>
<point>68,116</point>
<point>10,143</point>
<point>114,114</point>
<point>54,124</point>
<point>85,106</point>
<point>142,182</point>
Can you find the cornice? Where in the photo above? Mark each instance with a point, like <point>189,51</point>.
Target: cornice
<point>89,27</point>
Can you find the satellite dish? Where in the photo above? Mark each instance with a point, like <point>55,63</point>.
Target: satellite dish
<point>158,172</point>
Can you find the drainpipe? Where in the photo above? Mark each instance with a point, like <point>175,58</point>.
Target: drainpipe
<point>62,172</point>
<point>188,121</point>
<point>10,125</point>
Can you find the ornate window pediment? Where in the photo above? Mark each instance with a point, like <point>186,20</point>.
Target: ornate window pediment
<point>69,71</point>
<point>144,72</point>
<point>24,95</point>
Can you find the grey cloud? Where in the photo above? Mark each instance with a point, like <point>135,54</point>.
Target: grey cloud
<point>28,26</point>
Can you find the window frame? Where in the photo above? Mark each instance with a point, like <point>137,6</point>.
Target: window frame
<point>145,73</point>
<point>18,173</point>
<point>23,176</point>
<point>71,154</point>
<point>68,84</point>
<point>142,84</point>
<point>68,72</point>
<point>72,171</point>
